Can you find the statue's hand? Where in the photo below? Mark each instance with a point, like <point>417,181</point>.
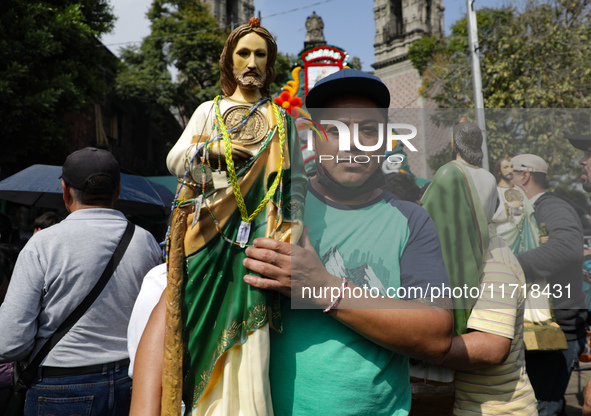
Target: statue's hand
<point>217,152</point>
<point>216,155</point>
<point>295,232</point>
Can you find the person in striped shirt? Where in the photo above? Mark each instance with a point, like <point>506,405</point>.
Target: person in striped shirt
<point>489,359</point>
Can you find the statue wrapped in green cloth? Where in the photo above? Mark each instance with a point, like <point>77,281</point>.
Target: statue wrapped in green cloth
<point>462,199</point>
<point>516,224</point>
<point>241,177</point>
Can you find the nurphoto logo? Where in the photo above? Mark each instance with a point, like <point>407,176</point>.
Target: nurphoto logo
<point>377,134</point>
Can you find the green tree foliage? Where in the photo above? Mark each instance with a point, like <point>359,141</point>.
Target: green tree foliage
<point>283,67</point>
<point>440,158</point>
<point>536,56</point>
<point>422,52</point>
<point>186,37</point>
<point>355,63</point>
<point>50,65</point>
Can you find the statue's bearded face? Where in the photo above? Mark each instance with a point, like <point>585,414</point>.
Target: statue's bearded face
<point>506,170</point>
<point>250,62</point>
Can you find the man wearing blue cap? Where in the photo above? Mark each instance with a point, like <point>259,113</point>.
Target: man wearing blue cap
<point>362,246</point>
<point>86,371</point>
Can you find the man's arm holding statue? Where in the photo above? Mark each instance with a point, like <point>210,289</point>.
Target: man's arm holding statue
<point>407,327</point>
<point>492,323</point>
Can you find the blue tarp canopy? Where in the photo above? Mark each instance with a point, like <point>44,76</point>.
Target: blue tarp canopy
<point>40,186</point>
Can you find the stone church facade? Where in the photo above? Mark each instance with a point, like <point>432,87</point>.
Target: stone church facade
<point>399,23</point>
<point>231,13</point>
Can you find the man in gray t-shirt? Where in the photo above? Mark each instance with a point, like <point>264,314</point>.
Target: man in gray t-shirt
<point>54,272</point>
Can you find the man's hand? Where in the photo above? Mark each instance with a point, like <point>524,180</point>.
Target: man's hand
<point>409,328</point>
<point>287,268</point>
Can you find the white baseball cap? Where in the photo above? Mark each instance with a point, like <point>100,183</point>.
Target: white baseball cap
<point>530,163</point>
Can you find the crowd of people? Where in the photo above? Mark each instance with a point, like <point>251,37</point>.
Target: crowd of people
<point>224,323</point>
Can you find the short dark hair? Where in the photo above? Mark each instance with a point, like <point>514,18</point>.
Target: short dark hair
<point>468,142</point>
<point>540,179</point>
<point>402,186</point>
<point>227,80</point>
<point>46,220</point>
<point>86,198</point>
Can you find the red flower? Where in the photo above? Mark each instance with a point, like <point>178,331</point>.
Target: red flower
<point>295,112</point>
<point>288,102</point>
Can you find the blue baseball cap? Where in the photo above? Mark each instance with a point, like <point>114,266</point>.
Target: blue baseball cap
<point>348,81</point>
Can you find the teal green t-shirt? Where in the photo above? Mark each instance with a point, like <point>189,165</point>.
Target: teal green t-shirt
<point>318,365</point>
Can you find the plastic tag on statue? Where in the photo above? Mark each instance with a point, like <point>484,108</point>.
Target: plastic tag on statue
<point>243,234</point>
<point>220,179</point>
<point>197,209</point>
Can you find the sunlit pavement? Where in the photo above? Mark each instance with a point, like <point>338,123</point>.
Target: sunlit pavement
<point>574,392</point>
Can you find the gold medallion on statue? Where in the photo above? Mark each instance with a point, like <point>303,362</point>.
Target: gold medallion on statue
<point>251,132</point>
<point>514,198</point>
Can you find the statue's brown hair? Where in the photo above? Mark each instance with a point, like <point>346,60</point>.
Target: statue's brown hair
<point>227,80</point>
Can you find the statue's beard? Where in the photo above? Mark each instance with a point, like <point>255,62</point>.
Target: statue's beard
<point>507,178</point>
<point>250,79</point>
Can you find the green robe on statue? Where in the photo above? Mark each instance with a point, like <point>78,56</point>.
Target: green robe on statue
<point>452,202</point>
<point>219,309</point>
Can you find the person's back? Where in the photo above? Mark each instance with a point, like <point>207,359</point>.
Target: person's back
<point>55,271</point>
<point>460,199</point>
<point>556,267</point>
<point>66,261</point>
<point>560,262</point>
<point>503,388</point>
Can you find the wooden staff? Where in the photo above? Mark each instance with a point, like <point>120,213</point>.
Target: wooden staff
<point>172,372</point>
